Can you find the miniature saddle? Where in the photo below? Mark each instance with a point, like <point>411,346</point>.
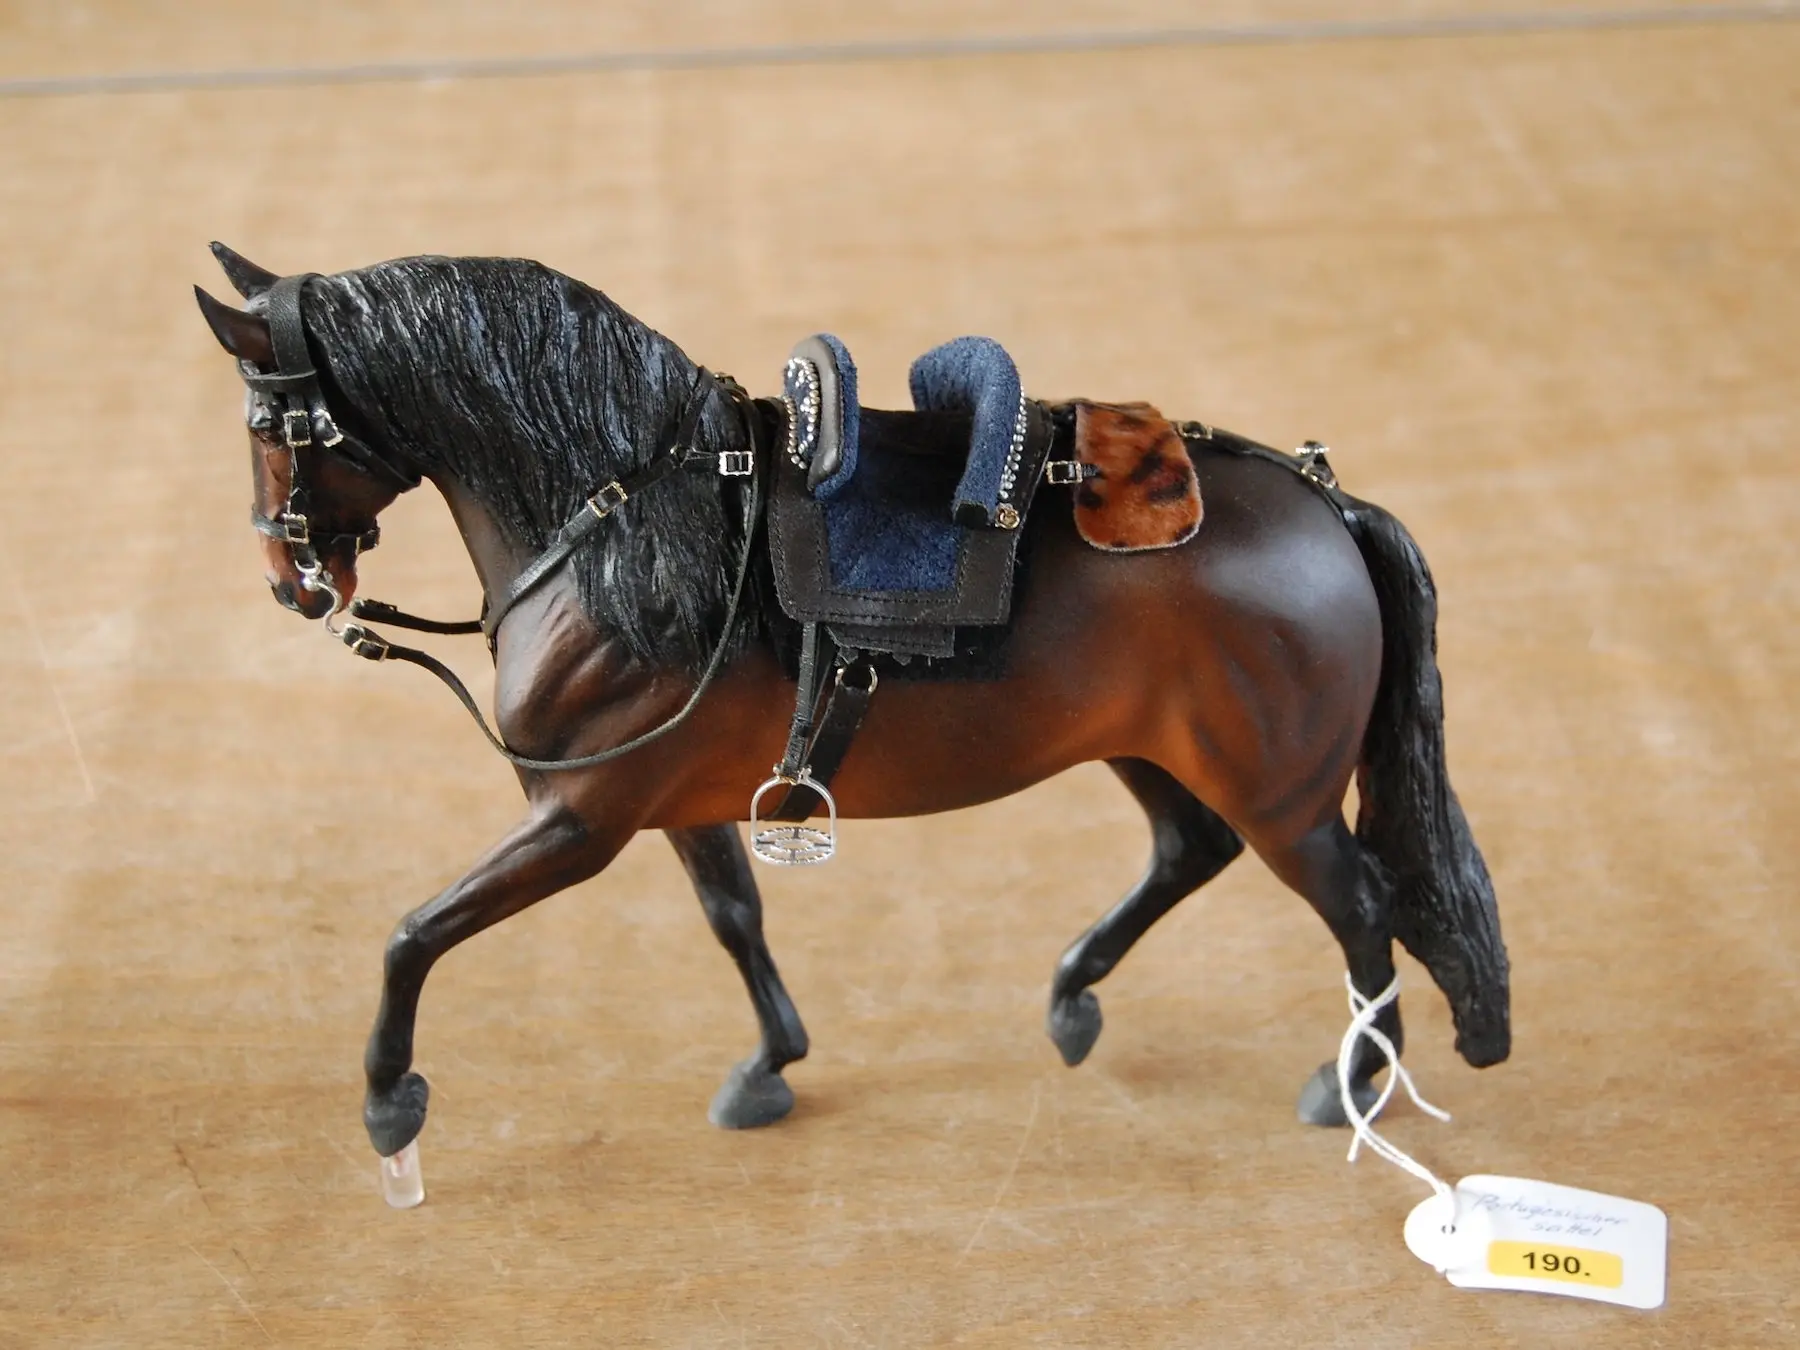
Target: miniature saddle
<point>893,529</point>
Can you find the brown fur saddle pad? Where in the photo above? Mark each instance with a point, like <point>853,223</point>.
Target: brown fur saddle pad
<point>1141,492</point>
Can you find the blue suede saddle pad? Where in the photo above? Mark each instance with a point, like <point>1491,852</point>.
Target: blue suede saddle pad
<point>897,527</point>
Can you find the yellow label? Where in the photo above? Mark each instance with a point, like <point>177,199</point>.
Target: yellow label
<point>1573,1265</point>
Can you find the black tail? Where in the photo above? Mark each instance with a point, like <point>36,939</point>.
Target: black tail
<point>1410,820</point>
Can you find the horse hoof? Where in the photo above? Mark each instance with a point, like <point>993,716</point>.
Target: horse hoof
<point>1321,1104</point>
<point>750,1098</point>
<point>395,1117</point>
<point>1074,1024</point>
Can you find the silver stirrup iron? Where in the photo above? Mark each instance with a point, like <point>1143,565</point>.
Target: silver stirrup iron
<point>798,844</point>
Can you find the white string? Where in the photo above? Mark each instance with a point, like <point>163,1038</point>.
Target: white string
<point>1363,1013</point>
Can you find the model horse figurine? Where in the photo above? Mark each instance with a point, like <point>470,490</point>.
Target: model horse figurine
<point>670,579</point>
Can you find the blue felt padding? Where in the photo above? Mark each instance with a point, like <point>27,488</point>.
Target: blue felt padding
<point>852,428</point>
<point>876,546</point>
<point>975,375</point>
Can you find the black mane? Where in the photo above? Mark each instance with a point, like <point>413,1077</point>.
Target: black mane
<point>532,390</point>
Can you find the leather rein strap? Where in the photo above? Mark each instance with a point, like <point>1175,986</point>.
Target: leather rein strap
<point>604,502</point>
<point>680,454</point>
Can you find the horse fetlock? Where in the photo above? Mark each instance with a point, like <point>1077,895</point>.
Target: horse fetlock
<point>394,1114</point>
<point>1074,1025</point>
<point>1076,970</point>
<point>752,1095</point>
<point>791,1044</point>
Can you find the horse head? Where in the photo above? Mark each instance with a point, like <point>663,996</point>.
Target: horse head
<point>316,486</point>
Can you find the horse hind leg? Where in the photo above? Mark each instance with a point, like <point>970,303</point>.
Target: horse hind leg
<point>754,1092</point>
<point>1332,871</point>
<point>1190,845</point>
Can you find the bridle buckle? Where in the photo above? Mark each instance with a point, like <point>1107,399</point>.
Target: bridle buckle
<point>736,463</point>
<point>296,428</point>
<point>294,529</point>
<point>1067,472</point>
<point>368,645</point>
<point>608,499</point>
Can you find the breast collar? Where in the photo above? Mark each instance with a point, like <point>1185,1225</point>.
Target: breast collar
<point>295,400</point>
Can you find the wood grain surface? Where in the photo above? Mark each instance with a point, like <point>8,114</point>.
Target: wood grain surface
<point>1538,291</point>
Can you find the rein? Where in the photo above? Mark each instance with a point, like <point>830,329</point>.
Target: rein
<point>680,454</point>
<point>294,396</point>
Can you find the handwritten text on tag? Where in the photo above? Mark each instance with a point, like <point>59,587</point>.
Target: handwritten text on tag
<point>1515,1233</point>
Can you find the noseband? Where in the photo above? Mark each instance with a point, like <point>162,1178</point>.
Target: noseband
<point>294,398</point>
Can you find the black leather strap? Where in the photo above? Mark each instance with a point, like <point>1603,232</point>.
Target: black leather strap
<point>379,611</point>
<point>845,707</point>
<point>288,331</point>
<point>364,540</point>
<point>806,699</point>
<point>1309,464</point>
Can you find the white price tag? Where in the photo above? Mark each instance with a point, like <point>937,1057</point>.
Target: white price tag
<point>1514,1233</point>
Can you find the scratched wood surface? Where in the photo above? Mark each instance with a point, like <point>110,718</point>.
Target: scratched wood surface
<point>1538,292</point>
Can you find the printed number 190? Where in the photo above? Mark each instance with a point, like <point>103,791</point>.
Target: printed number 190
<point>1573,1264</point>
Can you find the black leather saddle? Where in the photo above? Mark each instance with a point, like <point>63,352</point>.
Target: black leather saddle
<point>894,529</point>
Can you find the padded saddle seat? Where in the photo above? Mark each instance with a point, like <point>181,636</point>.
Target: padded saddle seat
<point>896,528</point>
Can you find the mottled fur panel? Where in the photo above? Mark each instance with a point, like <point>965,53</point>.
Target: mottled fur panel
<point>1145,494</point>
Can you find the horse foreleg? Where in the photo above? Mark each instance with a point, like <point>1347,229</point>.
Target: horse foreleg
<point>754,1093</point>
<point>1329,868</point>
<point>548,852</point>
<point>1190,845</point>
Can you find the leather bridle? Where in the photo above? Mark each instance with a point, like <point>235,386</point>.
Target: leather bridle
<point>294,397</point>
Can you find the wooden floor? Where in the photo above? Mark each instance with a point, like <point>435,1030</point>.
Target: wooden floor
<point>1540,290</point>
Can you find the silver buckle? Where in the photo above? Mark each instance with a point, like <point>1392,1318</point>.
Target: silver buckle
<point>736,463</point>
<point>607,500</point>
<point>370,646</point>
<point>1310,460</point>
<point>796,845</point>
<point>296,428</point>
<point>294,529</point>
<point>1066,472</point>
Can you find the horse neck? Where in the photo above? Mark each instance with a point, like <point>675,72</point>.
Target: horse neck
<point>496,558</point>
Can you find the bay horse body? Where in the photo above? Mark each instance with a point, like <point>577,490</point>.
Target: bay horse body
<point>1235,684</point>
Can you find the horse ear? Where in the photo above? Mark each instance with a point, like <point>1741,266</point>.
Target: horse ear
<point>249,280</point>
<point>245,336</point>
